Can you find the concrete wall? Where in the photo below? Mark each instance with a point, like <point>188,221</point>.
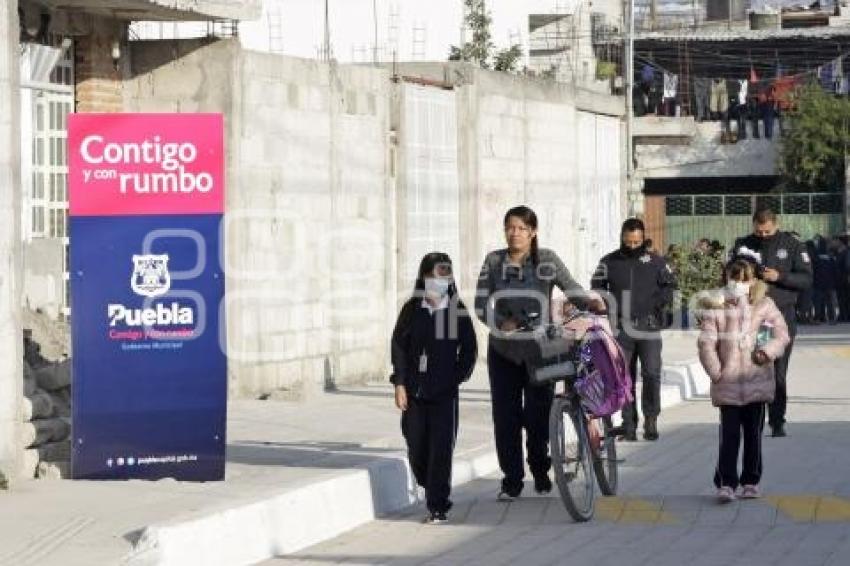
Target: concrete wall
<point>308,247</point>
<point>554,148</point>
<point>703,155</point>
<point>339,179</point>
<point>44,285</point>
<point>11,339</point>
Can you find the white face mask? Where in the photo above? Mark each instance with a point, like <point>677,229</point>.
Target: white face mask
<point>437,286</point>
<point>738,288</point>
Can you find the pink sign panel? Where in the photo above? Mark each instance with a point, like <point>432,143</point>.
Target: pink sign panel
<point>145,164</point>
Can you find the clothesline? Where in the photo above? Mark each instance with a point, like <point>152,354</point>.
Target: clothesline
<point>814,72</point>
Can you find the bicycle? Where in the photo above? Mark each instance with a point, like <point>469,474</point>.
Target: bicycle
<point>579,441</point>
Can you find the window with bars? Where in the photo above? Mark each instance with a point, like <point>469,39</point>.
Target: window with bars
<point>774,203</point>
<point>708,206</point>
<point>745,205</point>
<point>795,204</point>
<point>49,194</point>
<point>827,204</point>
<point>738,206</point>
<point>679,206</point>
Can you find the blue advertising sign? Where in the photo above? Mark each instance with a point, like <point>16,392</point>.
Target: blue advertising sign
<point>149,362</point>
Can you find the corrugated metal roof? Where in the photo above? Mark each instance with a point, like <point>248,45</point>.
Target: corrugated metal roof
<point>720,34</point>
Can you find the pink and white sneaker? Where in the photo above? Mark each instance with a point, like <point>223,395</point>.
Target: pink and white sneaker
<point>750,492</point>
<point>726,494</point>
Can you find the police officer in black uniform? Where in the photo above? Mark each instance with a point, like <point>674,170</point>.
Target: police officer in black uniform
<point>642,285</point>
<point>787,269</point>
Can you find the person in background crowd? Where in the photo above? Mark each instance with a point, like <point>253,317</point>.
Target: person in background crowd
<point>787,270</point>
<point>843,259</point>
<point>716,248</point>
<point>806,297</point>
<point>825,279</point>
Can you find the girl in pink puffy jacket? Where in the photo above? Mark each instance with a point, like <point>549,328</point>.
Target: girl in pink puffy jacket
<point>742,333</point>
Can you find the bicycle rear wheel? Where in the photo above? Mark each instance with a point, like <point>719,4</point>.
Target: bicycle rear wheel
<point>605,457</point>
<point>571,458</point>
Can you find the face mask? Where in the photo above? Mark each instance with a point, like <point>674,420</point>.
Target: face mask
<point>437,286</point>
<point>632,252</point>
<point>738,289</point>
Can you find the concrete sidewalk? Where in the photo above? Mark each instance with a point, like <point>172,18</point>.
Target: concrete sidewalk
<point>665,513</point>
<point>297,474</point>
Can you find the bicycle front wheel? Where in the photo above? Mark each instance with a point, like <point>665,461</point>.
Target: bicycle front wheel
<point>571,458</point>
<point>605,455</point>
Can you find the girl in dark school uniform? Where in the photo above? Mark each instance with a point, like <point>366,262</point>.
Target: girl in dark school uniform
<point>433,351</point>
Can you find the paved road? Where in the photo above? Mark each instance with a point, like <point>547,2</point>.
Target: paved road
<point>665,513</point>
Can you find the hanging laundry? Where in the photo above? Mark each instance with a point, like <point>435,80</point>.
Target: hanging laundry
<point>671,83</point>
<point>702,96</point>
<point>825,75</point>
<point>647,74</point>
<point>837,74</point>
<point>719,103</point>
<point>784,89</point>
<point>742,93</point>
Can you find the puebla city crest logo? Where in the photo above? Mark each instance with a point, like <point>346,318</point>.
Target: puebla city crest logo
<point>150,275</point>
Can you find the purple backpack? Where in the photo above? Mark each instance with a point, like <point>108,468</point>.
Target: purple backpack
<point>604,383</point>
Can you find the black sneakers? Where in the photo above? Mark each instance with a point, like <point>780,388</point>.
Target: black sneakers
<point>629,436</point>
<point>650,429</point>
<point>509,494</point>
<point>542,484</point>
<point>778,431</point>
<point>437,518</point>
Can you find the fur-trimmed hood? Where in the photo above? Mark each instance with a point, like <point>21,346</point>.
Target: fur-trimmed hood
<point>716,298</point>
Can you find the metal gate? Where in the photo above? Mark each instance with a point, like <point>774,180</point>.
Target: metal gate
<point>429,190</point>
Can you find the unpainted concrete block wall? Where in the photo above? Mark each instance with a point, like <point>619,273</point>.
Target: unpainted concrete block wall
<point>314,217</point>
<point>11,337</point>
<point>536,146</point>
<point>307,250</point>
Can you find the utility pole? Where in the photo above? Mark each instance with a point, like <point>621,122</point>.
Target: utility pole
<point>653,12</point>
<point>375,20</point>
<point>327,42</point>
<point>630,79</point>
<point>729,7</point>
<point>633,207</point>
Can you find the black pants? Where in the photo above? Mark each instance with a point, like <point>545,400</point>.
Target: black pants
<point>740,114</point>
<point>516,405</point>
<point>844,301</point>
<point>776,411</point>
<point>805,306</point>
<point>648,351</point>
<point>826,305</point>
<point>768,115</point>
<point>734,420</point>
<point>430,429</point>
